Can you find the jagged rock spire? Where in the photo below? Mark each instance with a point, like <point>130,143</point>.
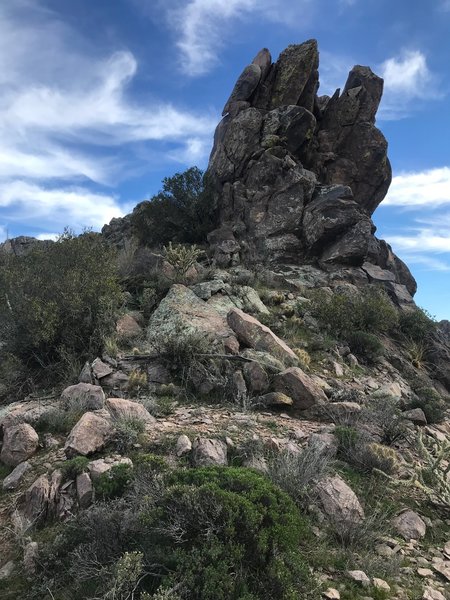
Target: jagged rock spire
<point>298,176</point>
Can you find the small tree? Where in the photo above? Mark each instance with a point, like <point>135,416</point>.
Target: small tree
<point>57,304</point>
<point>182,212</point>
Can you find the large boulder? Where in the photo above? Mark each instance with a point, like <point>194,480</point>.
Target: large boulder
<point>183,312</point>
<point>410,525</point>
<point>339,501</point>
<point>127,409</point>
<point>209,452</point>
<point>84,395</point>
<point>92,432</point>
<point>254,334</point>
<point>296,384</point>
<point>20,442</point>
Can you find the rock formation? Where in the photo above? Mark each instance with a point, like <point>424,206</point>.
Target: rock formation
<point>298,176</point>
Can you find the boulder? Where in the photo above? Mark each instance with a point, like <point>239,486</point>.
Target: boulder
<point>7,570</point>
<point>256,378</point>
<point>41,498</point>
<point>254,334</point>
<point>409,525</point>
<point>184,445</point>
<point>100,369</point>
<point>183,312</point>
<point>416,416</point>
<point>128,329</point>
<point>127,409</point>
<point>296,384</point>
<point>359,577</point>
<point>30,558</point>
<point>20,442</point>
<point>339,501</point>
<point>209,452</point>
<point>13,480</point>
<point>102,465</point>
<point>83,395</point>
<point>297,176</point>
<point>275,399</point>
<point>92,432</point>
<point>85,490</point>
<point>430,593</point>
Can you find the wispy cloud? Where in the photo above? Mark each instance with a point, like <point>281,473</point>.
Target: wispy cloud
<point>424,194</point>
<point>407,81</point>
<point>420,189</point>
<point>204,26</point>
<point>31,203</point>
<point>66,114</point>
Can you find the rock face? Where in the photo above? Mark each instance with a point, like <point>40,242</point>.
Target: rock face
<point>19,443</point>
<point>297,175</point>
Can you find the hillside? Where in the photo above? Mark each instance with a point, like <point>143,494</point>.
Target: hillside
<point>231,393</point>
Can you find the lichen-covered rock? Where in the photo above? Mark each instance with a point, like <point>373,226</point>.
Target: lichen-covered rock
<point>182,311</point>
<point>92,432</point>
<point>19,443</point>
<point>41,498</point>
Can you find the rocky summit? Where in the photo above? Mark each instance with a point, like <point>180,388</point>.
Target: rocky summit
<point>297,176</point>
<point>230,393</point>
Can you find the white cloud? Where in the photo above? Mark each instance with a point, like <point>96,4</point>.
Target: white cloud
<point>418,189</point>
<point>407,81</point>
<point>203,26</point>
<point>445,5</point>
<point>45,207</point>
<point>67,115</point>
<point>407,74</point>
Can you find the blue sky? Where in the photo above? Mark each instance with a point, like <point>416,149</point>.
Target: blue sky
<point>101,99</point>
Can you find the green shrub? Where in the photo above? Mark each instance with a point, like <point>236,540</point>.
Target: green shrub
<point>369,310</point>
<point>431,403</point>
<point>182,212</point>
<point>365,345</point>
<point>384,413</point>
<point>358,449</point>
<point>297,473</point>
<point>417,324</point>
<point>229,533</point>
<point>127,432</point>
<point>206,533</point>
<point>114,482</point>
<point>73,467</point>
<point>57,305</point>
